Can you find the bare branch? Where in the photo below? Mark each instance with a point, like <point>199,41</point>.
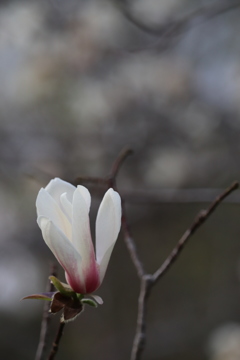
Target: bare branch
<point>177,26</point>
<point>45,319</point>
<point>131,246</point>
<point>148,281</point>
<point>55,344</point>
<point>199,220</point>
<point>117,164</point>
<point>140,335</point>
<point>91,180</point>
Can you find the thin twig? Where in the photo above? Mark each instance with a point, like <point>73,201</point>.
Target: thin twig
<point>140,335</point>
<point>176,26</point>
<point>45,319</point>
<point>199,220</point>
<point>148,281</point>
<point>110,180</point>
<point>55,344</point>
<point>116,166</point>
<point>130,243</point>
<point>126,229</point>
<point>89,179</point>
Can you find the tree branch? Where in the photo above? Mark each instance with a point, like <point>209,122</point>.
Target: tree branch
<point>116,166</point>
<point>130,243</point>
<point>148,281</point>
<point>55,344</point>
<point>127,232</point>
<point>140,335</point>
<point>199,220</point>
<point>176,26</point>
<point>45,319</point>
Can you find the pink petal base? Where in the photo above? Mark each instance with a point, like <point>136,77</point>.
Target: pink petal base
<point>91,277</point>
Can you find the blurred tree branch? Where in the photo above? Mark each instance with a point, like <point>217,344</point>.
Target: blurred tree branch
<point>198,221</point>
<point>149,280</point>
<point>174,27</point>
<point>45,319</point>
<point>56,342</point>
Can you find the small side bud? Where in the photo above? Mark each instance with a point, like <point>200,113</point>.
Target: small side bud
<point>89,302</point>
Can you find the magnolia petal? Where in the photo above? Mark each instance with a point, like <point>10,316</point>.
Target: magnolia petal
<point>85,194</point>
<point>104,262</point>
<point>64,251</point>
<point>108,224</point>
<point>98,299</point>
<point>81,235</point>
<point>56,187</point>
<point>48,207</point>
<point>82,241</point>
<point>66,206</point>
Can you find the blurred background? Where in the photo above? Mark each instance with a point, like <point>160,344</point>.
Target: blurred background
<point>78,82</point>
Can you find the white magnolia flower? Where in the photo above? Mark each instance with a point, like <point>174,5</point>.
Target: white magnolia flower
<point>62,211</point>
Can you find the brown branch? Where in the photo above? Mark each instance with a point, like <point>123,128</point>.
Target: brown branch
<point>130,243</point>
<point>110,180</point>
<point>177,26</point>
<point>148,281</point>
<point>45,319</point>
<point>116,166</point>
<point>140,335</point>
<point>199,220</point>
<point>55,344</point>
<point>126,228</point>
<point>89,179</point>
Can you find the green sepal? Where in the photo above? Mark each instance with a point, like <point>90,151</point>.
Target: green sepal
<point>64,289</point>
<point>42,296</point>
<point>90,302</point>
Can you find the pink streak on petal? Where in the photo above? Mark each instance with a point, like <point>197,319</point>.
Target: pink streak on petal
<point>72,275</point>
<point>92,278</point>
<point>75,283</point>
<point>73,278</point>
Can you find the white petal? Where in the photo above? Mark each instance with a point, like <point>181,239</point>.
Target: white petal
<point>98,299</point>
<point>81,235</point>
<point>48,207</point>
<point>85,194</point>
<point>66,206</point>
<point>57,187</point>
<point>62,248</point>
<point>108,224</point>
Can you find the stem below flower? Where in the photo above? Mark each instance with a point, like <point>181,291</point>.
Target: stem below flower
<point>55,344</point>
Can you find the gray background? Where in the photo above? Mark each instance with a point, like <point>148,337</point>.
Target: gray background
<point>78,82</point>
